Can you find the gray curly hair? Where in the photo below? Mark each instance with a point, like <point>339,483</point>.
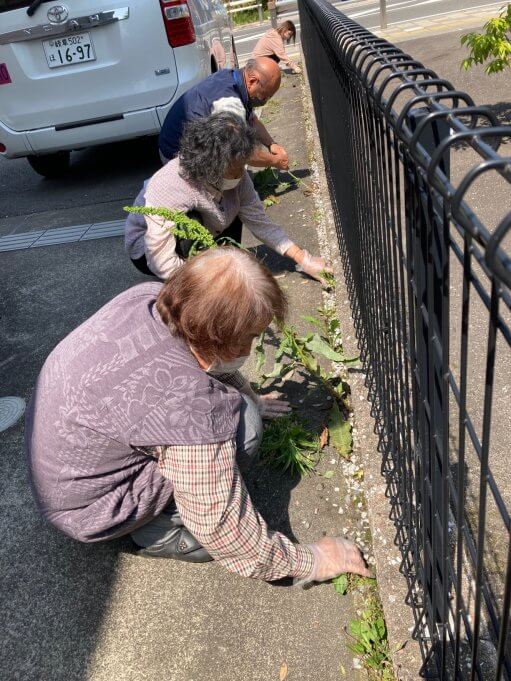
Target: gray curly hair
<point>209,145</point>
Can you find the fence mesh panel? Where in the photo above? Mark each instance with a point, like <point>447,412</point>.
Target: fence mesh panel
<point>429,284</point>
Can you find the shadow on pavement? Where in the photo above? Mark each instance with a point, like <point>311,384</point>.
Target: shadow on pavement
<point>54,589</point>
<point>130,157</point>
<point>109,173</point>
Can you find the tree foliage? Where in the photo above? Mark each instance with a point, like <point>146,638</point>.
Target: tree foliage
<point>493,46</point>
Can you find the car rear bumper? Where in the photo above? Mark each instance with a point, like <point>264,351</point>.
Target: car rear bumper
<point>191,67</point>
<point>80,134</point>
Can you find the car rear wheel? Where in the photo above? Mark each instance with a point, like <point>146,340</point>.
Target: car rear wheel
<point>50,165</point>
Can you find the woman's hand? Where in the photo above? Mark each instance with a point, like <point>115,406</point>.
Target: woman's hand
<point>272,408</point>
<point>313,266</point>
<point>335,555</point>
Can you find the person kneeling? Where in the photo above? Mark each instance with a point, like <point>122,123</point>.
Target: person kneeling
<point>141,424</point>
<point>209,182</point>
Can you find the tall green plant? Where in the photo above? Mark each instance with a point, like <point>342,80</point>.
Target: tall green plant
<point>302,353</point>
<point>492,46</point>
<point>183,227</point>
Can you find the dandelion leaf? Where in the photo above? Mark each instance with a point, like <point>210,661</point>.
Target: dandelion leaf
<point>340,432</point>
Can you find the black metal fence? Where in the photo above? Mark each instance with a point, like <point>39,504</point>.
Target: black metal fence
<point>429,287</point>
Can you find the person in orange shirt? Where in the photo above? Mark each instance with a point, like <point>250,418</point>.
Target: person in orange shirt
<point>272,45</point>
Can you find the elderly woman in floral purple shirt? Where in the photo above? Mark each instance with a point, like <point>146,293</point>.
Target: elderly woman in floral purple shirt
<point>141,424</point>
<point>208,179</point>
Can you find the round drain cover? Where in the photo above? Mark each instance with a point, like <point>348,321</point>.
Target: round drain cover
<point>11,409</point>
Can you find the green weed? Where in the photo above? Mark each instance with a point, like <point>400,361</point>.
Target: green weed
<point>370,642</point>
<point>347,583</point>
<point>300,183</point>
<point>184,228</point>
<point>296,352</point>
<point>268,185</point>
<point>329,280</point>
<point>369,633</point>
<point>299,352</point>
<point>288,447</point>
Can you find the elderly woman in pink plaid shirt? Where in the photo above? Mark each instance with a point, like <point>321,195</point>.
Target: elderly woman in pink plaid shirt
<point>141,424</point>
<point>219,302</point>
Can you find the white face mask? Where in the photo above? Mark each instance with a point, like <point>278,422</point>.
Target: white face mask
<point>220,366</point>
<point>227,183</point>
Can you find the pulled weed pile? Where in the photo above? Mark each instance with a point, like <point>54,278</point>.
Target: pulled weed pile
<point>269,186</point>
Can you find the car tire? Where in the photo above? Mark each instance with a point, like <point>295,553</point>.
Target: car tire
<point>50,165</point>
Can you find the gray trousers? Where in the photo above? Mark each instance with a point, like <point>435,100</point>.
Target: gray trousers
<point>248,439</point>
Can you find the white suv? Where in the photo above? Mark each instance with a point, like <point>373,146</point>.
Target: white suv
<point>94,71</point>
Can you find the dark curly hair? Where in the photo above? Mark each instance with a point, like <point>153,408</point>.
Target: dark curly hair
<point>209,145</point>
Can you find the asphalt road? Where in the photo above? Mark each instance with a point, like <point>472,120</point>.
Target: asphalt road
<point>101,181</point>
<point>366,13</point>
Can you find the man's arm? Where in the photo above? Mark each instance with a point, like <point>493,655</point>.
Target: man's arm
<point>275,157</point>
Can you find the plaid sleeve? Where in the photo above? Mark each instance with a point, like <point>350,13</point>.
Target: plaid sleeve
<point>216,508</point>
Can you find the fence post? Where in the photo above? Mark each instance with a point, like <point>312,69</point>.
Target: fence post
<point>272,8</point>
<point>431,136</point>
<point>260,11</point>
<point>383,14</point>
<point>431,274</point>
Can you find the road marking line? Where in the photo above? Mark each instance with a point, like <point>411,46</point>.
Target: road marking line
<point>61,235</point>
<point>13,242</point>
<point>440,14</point>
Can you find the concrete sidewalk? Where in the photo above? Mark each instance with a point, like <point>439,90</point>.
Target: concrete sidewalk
<point>75,612</point>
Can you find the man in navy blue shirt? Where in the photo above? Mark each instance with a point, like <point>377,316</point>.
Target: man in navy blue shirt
<point>238,91</point>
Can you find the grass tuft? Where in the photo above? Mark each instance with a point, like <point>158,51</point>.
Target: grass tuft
<point>288,447</point>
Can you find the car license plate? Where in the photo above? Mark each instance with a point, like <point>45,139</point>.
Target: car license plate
<point>71,49</point>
